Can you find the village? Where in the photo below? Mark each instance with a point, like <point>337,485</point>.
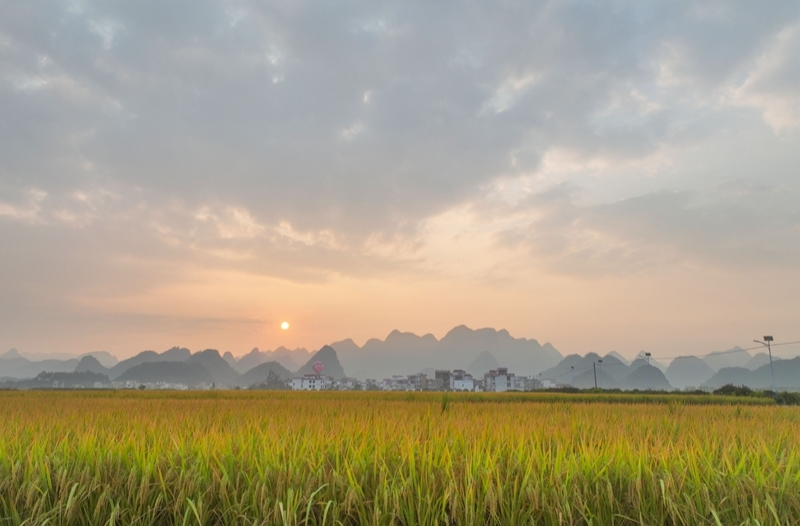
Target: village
<point>496,380</point>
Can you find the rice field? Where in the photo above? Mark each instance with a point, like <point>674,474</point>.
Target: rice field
<point>250,458</point>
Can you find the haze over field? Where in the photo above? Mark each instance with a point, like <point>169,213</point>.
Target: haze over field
<point>602,176</point>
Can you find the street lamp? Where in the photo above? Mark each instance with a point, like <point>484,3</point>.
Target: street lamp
<point>647,355</point>
<point>768,344</point>
<point>572,383</point>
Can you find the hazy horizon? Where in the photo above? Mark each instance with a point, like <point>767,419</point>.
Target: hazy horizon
<point>600,176</point>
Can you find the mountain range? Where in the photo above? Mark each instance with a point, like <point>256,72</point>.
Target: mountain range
<point>403,353</point>
<point>406,353</point>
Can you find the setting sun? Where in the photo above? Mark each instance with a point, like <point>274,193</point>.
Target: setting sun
<point>285,325</point>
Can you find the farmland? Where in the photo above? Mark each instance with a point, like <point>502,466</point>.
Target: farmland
<point>384,458</point>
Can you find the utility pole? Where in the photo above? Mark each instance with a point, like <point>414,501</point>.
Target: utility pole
<point>601,371</point>
<point>767,343</point>
<point>594,370</point>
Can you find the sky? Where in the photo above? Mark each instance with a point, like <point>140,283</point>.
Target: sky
<point>620,175</point>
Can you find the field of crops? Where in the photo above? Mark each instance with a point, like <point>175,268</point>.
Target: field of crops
<point>232,458</point>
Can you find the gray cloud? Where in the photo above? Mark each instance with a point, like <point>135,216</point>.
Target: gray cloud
<point>299,139</point>
<point>735,225</point>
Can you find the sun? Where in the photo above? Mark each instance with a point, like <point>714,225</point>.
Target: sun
<point>285,325</point>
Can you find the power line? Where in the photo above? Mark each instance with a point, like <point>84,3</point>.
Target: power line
<point>714,353</point>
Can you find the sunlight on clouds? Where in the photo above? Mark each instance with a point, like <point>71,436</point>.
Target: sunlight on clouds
<point>28,210</point>
<point>231,222</point>
<point>774,85</point>
<point>508,92</point>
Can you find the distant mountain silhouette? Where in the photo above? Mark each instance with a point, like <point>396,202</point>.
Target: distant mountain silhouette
<point>787,376</point>
<point>563,371</point>
<point>282,355</point>
<point>736,357</point>
<point>221,372</point>
<point>646,377</point>
<point>759,360</point>
<point>260,373</point>
<point>90,364</point>
<point>175,354</point>
<point>228,357</point>
<point>688,371</point>
<point>585,379</point>
<point>190,374</point>
<point>612,373</point>
<point>328,356</point>
<point>641,359</point>
<point>406,353</point>
<point>105,358</point>
<point>616,368</point>
<point>482,364</point>
<point>17,366</point>
<point>61,380</point>
<point>619,357</point>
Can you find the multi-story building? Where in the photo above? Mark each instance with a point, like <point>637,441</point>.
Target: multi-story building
<point>419,382</point>
<point>498,380</point>
<point>524,383</point>
<point>462,381</point>
<point>311,382</point>
<point>443,380</point>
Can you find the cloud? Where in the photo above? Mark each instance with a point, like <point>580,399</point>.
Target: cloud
<point>774,85</point>
<point>732,226</point>
<point>305,141</point>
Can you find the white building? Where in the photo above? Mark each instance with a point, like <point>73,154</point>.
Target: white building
<point>311,382</point>
<point>462,381</point>
<point>524,383</point>
<point>346,384</point>
<point>498,380</point>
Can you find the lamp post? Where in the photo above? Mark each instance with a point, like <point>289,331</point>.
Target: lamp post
<point>647,355</point>
<point>768,344</point>
<point>572,383</point>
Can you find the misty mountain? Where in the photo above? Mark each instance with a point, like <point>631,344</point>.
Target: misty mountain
<point>616,368</point>
<point>641,359</point>
<point>688,371</point>
<point>90,364</point>
<point>586,379</point>
<point>759,360</point>
<point>13,365</point>
<point>260,373</point>
<point>482,364</point>
<point>60,380</point>
<point>286,357</point>
<point>221,372</point>
<point>105,358</point>
<point>407,353</point>
<point>612,373</point>
<point>736,357</point>
<point>190,374</point>
<point>619,357</point>
<point>563,372</point>
<point>228,357</point>
<point>787,376</point>
<point>646,377</point>
<point>175,354</point>
<point>330,361</point>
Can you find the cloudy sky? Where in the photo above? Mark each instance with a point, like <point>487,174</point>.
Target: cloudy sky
<point>600,175</point>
